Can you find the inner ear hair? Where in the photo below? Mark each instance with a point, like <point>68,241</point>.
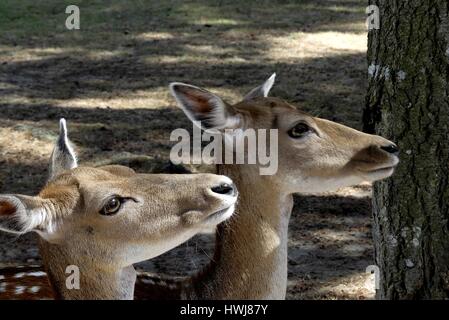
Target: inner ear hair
<point>20,214</point>
<point>10,212</point>
<point>204,108</point>
<point>7,208</point>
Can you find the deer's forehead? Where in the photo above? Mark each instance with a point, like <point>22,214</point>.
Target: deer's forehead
<point>82,175</point>
<point>270,112</point>
<point>71,183</point>
<point>263,105</point>
<point>286,117</point>
<point>100,179</point>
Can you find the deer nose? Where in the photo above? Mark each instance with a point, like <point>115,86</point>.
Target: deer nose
<point>225,188</point>
<point>391,148</point>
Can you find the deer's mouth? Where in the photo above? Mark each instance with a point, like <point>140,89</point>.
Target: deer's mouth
<point>220,216</point>
<point>379,173</point>
<point>383,170</point>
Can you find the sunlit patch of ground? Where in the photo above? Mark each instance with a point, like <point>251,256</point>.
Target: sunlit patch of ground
<point>359,286</point>
<point>287,48</point>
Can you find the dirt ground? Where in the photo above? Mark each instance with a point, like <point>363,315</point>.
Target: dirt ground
<point>109,80</point>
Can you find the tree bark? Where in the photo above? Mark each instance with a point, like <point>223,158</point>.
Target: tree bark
<point>408,102</point>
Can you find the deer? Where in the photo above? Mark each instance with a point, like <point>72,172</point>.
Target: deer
<point>102,221</point>
<point>314,155</point>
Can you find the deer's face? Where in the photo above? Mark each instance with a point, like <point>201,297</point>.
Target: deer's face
<point>314,155</point>
<point>317,155</point>
<point>136,215</point>
<point>115,215</point>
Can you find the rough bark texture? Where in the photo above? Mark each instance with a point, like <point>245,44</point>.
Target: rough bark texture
<point>408,102</point>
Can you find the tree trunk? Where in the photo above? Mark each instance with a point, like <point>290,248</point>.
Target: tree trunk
<point>408,102</point>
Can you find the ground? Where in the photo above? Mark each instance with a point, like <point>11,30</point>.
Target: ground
<point>109,80</point>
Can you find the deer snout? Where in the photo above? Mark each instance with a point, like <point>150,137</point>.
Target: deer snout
<point>384,149</point>
<point>225,189</point>
<point>222,195</point>
<point>391,148</point>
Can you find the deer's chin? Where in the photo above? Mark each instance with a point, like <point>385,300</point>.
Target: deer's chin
<point>220,216</point>
<point>378,174</point>
<point>315,184</point>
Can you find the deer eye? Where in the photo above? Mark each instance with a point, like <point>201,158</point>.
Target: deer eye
<point>299,131</point>
<point>112,206</point>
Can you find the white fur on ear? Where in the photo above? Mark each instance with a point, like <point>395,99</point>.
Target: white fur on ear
<point>263,90</point>
<point>63,157</point>
<point>205,109</point>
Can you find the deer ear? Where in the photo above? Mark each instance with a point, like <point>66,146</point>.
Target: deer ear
<point>63,157</point>
<point>263,90</point>
<point>205,109</point>
<point>21,214</point>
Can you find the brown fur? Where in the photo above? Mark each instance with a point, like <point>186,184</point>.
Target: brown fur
<point>250,260</point>
<point>165,210</point>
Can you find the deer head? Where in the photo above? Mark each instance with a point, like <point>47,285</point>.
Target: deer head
<point>114,214</point>
<point>314,154</point>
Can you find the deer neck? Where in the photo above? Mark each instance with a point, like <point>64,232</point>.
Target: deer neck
<point>95,282</point>
<point>250,260</point>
